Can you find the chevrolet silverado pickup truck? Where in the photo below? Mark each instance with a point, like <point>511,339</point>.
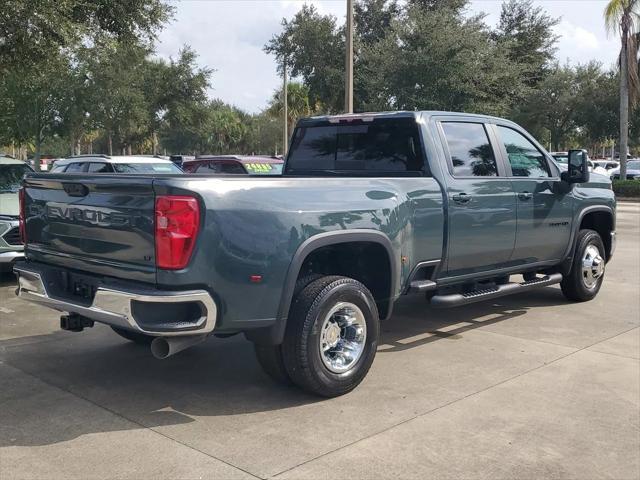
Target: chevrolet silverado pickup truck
<point>457,207</point>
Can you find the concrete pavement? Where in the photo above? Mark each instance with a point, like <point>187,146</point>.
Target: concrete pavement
<point>527,386</point>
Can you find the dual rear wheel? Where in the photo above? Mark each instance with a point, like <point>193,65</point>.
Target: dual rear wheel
<point>331,338</point>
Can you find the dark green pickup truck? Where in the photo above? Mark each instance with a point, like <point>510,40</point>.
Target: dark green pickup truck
<point>459,208</point>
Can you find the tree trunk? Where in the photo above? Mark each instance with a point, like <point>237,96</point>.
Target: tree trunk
<point>155,143</point>
<point>624,105</point>
<point>110,144</point>
<point>129,149</point>
<point>72,145</point>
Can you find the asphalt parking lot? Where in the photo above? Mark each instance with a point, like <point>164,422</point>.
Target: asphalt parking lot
<point>529,386</point>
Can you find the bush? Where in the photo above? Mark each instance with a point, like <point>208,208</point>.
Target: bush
<point>627,188</point>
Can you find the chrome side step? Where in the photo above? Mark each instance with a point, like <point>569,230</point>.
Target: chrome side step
<point>457,299</point>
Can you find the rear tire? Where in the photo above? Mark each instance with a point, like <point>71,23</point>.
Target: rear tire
<point>135,337</point>
<point>270,356</point>
<point>331,337</point>
<point>587,269</point>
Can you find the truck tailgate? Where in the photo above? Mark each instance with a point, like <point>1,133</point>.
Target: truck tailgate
<point>99,224</point>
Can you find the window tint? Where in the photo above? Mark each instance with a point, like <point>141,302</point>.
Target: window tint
<point>58,168</point>
<point>471,152</point>
<point>525,159</point>
<point>100,168</point>
<point>382,145</point>
<point>234,167</point>
<point>76,167</point>
<point>210,167</point>
<point>164,167</point>
<point>11,176</point>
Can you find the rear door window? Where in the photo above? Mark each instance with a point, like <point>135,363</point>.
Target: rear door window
<point>470,150</point>
<point>381,146</point>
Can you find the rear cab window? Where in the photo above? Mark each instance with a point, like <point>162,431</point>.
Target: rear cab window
<point>381,146</point>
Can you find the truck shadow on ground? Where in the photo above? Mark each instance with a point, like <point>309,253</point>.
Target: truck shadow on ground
<point>217,378</point>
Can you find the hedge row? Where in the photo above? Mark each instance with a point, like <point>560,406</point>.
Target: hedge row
<point>627,188</point>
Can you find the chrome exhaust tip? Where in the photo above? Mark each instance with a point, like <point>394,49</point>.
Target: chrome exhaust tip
<point>164,347</point>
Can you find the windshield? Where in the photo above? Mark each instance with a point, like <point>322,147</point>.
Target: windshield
<point>264,168</point>
<point>146,168</point>
<point>633,165</point>
<point>561,158</point>
<point>11,176</point>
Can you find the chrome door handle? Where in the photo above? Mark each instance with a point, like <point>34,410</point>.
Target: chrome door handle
<point>524,196</point>
<point>461,198</point>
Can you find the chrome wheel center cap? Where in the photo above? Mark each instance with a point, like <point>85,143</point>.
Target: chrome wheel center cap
<point>331,335</point>
<point>342,337</point>
<point>592,266</point>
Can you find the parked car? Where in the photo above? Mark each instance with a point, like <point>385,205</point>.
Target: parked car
<point>606,164</point>
<point>115,164</point>
<point>234,164</point>
<point>180,159</point>
<point>633,171</point>
<point>368,208</point>
<point>12,172</point>
<point>562,158</point>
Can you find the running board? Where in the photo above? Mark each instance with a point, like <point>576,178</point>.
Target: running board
<point>457,299</point>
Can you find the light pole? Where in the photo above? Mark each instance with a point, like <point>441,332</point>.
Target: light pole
<point>348,87</point>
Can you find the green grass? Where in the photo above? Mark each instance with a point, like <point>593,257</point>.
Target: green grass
<point>627,188</point>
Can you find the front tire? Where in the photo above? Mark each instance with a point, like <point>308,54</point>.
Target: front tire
<point>587,269</point>
<point>331,336</point>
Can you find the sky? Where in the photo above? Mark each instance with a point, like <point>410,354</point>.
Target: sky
<point>229,35</point>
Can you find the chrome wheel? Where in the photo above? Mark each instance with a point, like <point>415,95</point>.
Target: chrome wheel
<point>592,266</point>
<point>342,337</point>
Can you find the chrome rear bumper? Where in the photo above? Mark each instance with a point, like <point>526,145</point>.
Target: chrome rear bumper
<point>114,307</point>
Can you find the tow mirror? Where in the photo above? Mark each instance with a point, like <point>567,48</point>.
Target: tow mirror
<point>578,167</point>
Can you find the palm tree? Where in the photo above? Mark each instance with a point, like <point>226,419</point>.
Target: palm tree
<point>622,16</point>
<point>298,103</point>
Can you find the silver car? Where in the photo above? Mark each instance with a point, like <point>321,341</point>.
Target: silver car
<point>633,171</point>
<point>12,172</point>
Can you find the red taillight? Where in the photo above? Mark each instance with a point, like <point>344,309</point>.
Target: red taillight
<point>177,225</point>
<point>22,218</point>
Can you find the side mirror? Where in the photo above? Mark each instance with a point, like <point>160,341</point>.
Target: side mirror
<point>578,167</point>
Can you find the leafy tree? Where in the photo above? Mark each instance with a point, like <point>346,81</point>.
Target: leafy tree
<point>527,34</point>
<point>443,60</point>
<point>623,17</point>
<point>32,30</point>
<point>179,84</point>
<point>32,101</point>
<point>314,48</point>
<point>116,85</point>
<point>297,104</point>
<point>455,6</point>
<point>373,22</point>
<point>595,105</point>
<point>373,19</point>
<point>551,106</point>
